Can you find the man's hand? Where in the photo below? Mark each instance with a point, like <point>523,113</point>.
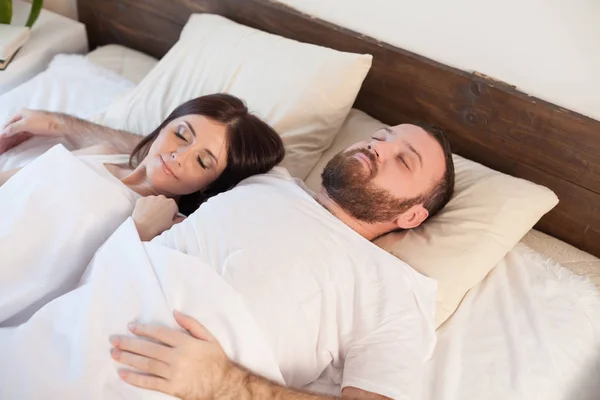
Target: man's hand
<point>26,124</point>
<point>194,367</point>
<point>188,365</point>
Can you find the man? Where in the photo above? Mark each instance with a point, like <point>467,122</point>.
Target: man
<point>337,310</point>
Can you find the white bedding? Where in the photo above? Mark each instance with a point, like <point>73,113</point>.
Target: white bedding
<point>531,330</point>
<point>63,351</point>
<point>54,214</point>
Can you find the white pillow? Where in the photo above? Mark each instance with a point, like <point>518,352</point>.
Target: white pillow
<point>126,62</point>
<point>303,91</point>
<point>489,213</point>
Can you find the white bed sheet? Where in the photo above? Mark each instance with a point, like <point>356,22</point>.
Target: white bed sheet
<point>530,330</point>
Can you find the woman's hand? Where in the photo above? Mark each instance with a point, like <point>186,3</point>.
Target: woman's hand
<point>187,365</point>
<point>153,215</point>
<point>26,124</point>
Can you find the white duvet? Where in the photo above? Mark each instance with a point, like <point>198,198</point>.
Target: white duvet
<point>55,325</point>
<point>54,214</point>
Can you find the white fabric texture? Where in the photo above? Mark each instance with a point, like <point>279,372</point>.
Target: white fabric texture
<point>331,304</point>
<point>55,213</point>
<point>63,351</point>
<point>130,64</point>
<point>71,85</point>
<point>573,259</point>
<point>304,91</point>
<point>530,330</point>
<point>488,214</point>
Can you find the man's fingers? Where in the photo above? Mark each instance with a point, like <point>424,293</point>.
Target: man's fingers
<point>141,363</point>
<point>170,337</point>
<point>142,347</point>
<point>145,381</point>
<point>195,328</point>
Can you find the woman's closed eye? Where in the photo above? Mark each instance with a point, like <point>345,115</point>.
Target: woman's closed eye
<point>179,132</point>
<point>206,162</point>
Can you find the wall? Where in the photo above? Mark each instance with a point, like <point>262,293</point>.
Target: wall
<point>547,48</point>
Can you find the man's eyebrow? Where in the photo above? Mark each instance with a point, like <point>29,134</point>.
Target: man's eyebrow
<point>412,149</point>
<point>190,128</point>
<point>389,130</point>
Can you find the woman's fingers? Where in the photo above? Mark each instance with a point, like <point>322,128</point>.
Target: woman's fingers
<point>141,363</point>
<point>13,119</point>
<point>14,126</point>
<point>145,381</point>
<point>163,334</point>
<point>142,347</point>
<point>195,328</point>
<point>8,142</point>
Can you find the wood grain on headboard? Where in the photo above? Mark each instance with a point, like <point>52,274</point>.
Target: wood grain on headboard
<point>486,121</point>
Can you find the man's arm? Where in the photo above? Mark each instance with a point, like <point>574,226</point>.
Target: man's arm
<point>243,385</point>
<point>79,133</point>
<point>194,367</point>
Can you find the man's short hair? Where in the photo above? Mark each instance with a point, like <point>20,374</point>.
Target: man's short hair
<point>440,195</point>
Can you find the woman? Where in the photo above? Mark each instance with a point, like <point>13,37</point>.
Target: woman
<point>204,147</point>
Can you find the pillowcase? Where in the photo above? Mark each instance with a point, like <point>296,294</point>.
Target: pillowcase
<point>488,214</point>
<point>126,62</point>
<point>304,91</point>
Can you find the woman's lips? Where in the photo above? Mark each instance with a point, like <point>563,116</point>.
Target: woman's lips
<point>166,168</point>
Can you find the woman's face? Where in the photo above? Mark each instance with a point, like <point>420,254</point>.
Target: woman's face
<point>188,155</point>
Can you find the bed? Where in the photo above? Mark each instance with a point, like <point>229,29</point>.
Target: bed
<point>494,346</point>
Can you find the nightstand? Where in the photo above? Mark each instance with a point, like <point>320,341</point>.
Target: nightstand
<point>52,34</point>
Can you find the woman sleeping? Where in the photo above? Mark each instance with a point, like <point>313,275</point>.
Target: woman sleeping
<point>60,209</point>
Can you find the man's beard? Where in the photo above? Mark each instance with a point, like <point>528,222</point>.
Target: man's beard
<point>351,186</point>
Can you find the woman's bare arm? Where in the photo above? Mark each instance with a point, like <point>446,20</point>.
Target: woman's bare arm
<point>79,133</point>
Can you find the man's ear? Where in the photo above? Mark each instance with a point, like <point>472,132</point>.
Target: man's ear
<point>412,217</point>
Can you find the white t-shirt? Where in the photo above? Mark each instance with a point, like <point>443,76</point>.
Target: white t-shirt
<point>336,309</point>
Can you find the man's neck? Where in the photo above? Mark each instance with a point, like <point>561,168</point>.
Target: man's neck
<point>366,230</point>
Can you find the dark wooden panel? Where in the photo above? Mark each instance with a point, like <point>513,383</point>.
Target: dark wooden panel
<point>487,121</point>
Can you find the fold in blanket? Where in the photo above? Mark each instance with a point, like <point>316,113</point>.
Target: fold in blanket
<point>63,351</point>
<point>54,214</point>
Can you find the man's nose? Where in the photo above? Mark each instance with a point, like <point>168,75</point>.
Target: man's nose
<point>375,149</point>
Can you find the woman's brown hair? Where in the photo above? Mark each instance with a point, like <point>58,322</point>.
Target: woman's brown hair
<point>253,147</point>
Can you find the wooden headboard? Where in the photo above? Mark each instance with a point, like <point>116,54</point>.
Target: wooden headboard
<point>487,121</point>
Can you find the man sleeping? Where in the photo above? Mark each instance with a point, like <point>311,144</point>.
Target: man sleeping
<point>335,310</point>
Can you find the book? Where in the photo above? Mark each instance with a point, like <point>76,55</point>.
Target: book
<point>4,64</point>
<point>11,39</point>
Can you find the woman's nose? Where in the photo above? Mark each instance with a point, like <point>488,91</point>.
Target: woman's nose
<point>175,157</point>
